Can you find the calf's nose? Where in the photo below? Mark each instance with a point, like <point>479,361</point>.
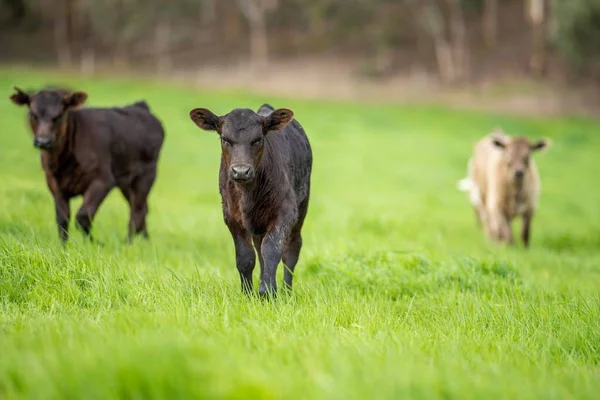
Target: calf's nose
<point>41,142</point>
<point>241,172</point>
<point>519,174</point>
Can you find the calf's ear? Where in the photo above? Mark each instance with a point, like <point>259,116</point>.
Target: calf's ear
<point>75,99</point>
<point>499,137</point>
<point>206,119</point>
<point>541,145</point>
<point>499,142</point>
<point>278,119</point>
<point>20,98</point>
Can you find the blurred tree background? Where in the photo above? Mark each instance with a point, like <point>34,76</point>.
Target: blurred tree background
<point>452,41</point>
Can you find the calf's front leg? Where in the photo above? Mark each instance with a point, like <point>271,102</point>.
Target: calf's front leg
<point>272,247</point>
<point>271,250</point>
<point>245,260</point>
<point>504,230</point>
<point>63,216</point>
<point>61,207</point>
<point>526,228</point>
<point>508,233</point>
<point>493,225</point>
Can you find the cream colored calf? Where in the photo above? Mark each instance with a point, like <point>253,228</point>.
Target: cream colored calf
<point>503,183</point>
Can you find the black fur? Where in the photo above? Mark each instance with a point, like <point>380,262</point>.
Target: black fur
<point>268,209</point>
<point>89,151</point>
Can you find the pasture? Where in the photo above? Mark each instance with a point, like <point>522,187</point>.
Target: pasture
<point>397,293</point>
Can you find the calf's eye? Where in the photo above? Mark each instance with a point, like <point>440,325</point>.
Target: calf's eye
<point>225,142</point>
<point>256,141</point>
<point>33,117</point>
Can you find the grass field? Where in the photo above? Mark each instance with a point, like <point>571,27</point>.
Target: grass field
<point>397,294</point>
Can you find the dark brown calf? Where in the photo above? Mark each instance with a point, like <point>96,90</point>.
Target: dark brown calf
<point>264,180</point>
<point>89,151</point>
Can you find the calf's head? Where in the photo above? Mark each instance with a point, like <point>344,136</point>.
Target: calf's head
<point>517,152</point>
<point>242,133</point>
<point>47,112</point>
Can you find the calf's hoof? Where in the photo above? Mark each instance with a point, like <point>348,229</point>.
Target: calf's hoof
<point>267,291</point>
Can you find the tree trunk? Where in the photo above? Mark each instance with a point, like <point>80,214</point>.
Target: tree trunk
<point>317,25</point>
<point>422,40</point>
<point>209,12</point>
<point>120,45</point>
<point>436,28</point>
<point>163,59</point>
<point>537,61</point>
<point>18,11</point>
<point>254,12</point>
<point>443,55</point>
<point>82,38</point>
<point>120,55</point>
<point>88,61</point>
<point>259,47</point>
<point>62,14</point>
<point>458,34</point>
<point>490,23</point>
<point>231,25</point>
<point>383,60</point>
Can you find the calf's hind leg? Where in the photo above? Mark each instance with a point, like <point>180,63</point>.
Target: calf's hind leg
<point>137,196</point>
<point>92,198</point>
<point>291,251</point>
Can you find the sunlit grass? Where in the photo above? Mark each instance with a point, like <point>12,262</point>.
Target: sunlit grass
<point>397,293</point>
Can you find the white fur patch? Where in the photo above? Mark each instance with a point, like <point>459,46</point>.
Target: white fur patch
<point>464,185</point>
<point>467,185</point>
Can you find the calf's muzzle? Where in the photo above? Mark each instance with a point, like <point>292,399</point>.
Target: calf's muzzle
<point>43,143</point>
<point>241,172</point>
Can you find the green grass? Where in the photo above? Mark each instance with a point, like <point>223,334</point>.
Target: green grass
<point>397,293</point>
